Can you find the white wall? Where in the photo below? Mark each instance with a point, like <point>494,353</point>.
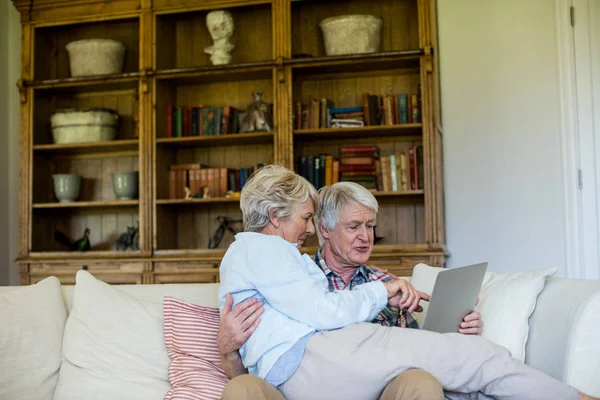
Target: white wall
<point>503,179</point>
<point>10,64</point>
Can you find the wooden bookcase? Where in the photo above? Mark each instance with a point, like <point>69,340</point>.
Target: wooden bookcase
<point>279,50</point>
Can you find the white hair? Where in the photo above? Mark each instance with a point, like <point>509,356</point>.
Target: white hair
<point>333,199</point>
<point>276,188</point>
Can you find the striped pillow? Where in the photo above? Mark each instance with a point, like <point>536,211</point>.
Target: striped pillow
<point>195,371</point>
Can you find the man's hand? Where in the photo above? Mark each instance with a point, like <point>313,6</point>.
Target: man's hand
<point>236,326</point>
<point>472,324</point>
<point>401,294</point>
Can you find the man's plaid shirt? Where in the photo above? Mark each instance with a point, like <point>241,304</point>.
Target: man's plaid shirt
<point>389,316</point>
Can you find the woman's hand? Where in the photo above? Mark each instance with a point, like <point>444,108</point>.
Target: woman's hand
<point>401,294</point>
<point>235,327</point>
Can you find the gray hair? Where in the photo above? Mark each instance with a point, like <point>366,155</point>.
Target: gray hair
<point>333,199</point>
<point>277,188</point>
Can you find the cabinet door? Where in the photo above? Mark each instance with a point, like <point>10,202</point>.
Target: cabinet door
<point>186,272</point>
<point>109,272</point>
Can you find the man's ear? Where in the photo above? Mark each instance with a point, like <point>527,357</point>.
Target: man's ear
<point>273,218</point>
<point>324,232</point>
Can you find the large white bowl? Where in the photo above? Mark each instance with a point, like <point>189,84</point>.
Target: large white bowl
<point>352,34</point>
<point>96,57</point>
<point>84,125</point>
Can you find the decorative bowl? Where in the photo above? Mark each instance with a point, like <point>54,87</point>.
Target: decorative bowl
<point>96,57</point>
<point>80,125</point>
<point>125,184</point>
<point>66,187</point>
<point>351,34</point>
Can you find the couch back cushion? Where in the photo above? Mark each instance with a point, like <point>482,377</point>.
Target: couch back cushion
<point>33,319</point>
<point>114,342</point>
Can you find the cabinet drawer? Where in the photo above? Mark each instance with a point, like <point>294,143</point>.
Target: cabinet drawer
<point>399,266</point>
<point>186,272</point>
<point>109,272</point>
<point>208,277</point>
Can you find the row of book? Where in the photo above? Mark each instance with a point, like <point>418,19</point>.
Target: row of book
<point>202,181</point>
<point>398,172</point>
<point>379,110</point>
<point>199,120</point>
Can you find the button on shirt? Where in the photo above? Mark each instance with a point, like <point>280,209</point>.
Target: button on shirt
<point>297,300</point>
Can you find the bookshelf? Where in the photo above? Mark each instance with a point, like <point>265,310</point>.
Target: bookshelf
<point>279,51</point>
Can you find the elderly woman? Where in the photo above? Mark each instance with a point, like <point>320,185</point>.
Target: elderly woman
<point>300,333</point>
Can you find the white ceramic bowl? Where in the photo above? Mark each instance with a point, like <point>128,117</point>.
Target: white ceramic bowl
<point>84,125</point>
<point>96,57</point>
<point>351,34</point>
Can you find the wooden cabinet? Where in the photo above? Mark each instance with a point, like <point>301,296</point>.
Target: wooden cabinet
<point>279,51</point>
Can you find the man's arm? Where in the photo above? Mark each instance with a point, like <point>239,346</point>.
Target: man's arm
<point>235,327</point>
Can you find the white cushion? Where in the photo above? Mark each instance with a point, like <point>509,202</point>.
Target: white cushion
<point>506,302</point>
<point>204,294</point>
<point>113,345</point>
<point>33,319</point>
<point>583,349</point>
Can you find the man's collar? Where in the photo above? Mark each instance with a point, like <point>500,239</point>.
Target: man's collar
<point>320,261</point>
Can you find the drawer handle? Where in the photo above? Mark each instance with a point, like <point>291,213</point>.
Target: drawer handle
<point>84,267</point>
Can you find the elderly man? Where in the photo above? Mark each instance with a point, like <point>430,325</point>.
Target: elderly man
<point>346,237</point>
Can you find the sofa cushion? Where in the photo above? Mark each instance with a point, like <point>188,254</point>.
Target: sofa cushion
<point>31,339</point>
<point>506,301</point>
<point>583,360</point>
<point>195,371</point>
<point>113,345</point>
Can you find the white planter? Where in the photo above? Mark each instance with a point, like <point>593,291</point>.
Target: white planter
<point>351,34</point>
<point>96,57</point>
<point>84,125</point>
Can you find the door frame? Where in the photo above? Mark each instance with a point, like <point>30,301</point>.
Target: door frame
<point>580,135</point>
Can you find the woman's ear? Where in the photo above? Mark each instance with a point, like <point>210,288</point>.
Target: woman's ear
<point>273,218</point>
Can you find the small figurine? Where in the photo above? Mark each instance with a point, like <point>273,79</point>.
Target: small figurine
<point>220,26</point>
<point>81,244</point>
<point>129,239</point>
<point>188,193</point>
<point>259,116</point>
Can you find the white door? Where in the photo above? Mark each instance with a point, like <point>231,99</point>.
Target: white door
<point>578,41</point>
<point>586,29</point>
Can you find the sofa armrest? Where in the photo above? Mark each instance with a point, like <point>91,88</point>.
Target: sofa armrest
<point>564,336</point>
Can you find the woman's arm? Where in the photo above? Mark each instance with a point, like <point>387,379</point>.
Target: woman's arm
<point>296,286</point>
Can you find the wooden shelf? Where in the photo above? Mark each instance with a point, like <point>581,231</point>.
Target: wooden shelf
<point>370,131</point>
<point>218,73</point>
<point>88,148</point>
<point>89,83</point>
<point>371,62</point>
<point>185,202</point>
<point>232,139</point>
<point>87,204</point>
<point>394,194</point>
<point>96,255</point>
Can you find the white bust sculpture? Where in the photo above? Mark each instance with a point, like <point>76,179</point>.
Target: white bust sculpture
<point>220,26</point>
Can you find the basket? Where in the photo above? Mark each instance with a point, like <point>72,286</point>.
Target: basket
<point>351,34</point>
<point>96,57</point>
<point>84,125</point>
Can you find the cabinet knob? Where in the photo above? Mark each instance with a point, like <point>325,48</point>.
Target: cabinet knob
<point>84,267</point>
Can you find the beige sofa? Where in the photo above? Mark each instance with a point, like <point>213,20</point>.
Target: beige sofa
<point>97,341</point>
